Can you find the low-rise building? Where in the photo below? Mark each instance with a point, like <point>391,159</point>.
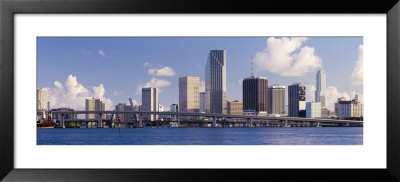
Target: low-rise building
<point>235,107</point>
<point>313,110</point>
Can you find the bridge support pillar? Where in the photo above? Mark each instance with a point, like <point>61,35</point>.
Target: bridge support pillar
<point>140,121</point>
<point>317,123</point>
<point>214,122</point>
<point>286,125</point>
<point>63,124</point>
<point>179,120</point>
<point>100,123</point>
<point>250,122</point>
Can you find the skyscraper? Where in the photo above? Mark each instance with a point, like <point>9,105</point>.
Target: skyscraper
<point>150,102</point>
<point>276,99</point>
<point>255,95</point>
<point>93,104</point>
<point>321,87</point>
<point>189,97</point>
<point>215,75</point>
<point>41,100</point>
<point>296,99</point>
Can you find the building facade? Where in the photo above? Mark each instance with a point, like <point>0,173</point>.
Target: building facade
<point>276,99</point>
<point>215,82</point>
<point>42,100</point>
<point>313,110</point>
<point>337,105</point>
<point>125,117</point>
<point>189,97</point>
<point>150,102</point>
<point>320,87</point>
<point>58,117</point>
<point>296,100</point>
<point>235,107</point>
<point>351,109</point>
<point>255,96</point>
<point>93,104</point>
<point>174,108</point>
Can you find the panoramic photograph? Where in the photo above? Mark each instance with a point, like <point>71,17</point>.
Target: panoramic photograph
<point>199,91</point>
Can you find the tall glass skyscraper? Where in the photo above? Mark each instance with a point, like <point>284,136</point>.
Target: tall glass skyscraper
<point>321,87</point>
<point>215,74</point>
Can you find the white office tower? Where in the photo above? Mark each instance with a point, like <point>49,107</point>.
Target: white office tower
<point>189,98</point>
<point>93,104</point>
<point>321,87</point>
<point>215,75</point>
<point>41,100</point>
<point>150,102</point>
<point>313,110</point>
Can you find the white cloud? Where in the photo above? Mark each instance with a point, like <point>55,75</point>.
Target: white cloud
<point>154,82</point>
<point>281,57</point>
<point>240,81</point>
<point>165,71</point>
<point>101,53</point>
<point>72,94</point>
<point>158,83</point>
<point>356,77</point>
<point>331,96</point>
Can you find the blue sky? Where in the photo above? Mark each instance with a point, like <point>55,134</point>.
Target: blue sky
<point>114,68</point>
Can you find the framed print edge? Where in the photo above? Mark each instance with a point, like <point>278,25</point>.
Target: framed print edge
<point>393,65</point>
<point>9,8</point>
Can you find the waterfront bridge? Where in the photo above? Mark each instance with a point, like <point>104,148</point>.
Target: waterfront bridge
<point>216,119</point>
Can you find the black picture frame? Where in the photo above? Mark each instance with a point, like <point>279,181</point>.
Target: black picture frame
<point>9,8</point>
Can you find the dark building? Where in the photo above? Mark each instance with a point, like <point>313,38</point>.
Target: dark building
<point>276,98</point>
<point>297,100</point>
<point>255,95</point>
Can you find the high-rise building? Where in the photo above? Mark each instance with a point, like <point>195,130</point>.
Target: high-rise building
<point>321,87</point>
<point>189,97</point>
<point>93,104</point>
<point>296,100</point>
<point>255,96</point>
<point>215,75</point>
<point>313,110</point>
<point>235,107</point>
<point>41,100</point>
<point>202,101</point>
<point>150,102</point>
<point>276,98</point>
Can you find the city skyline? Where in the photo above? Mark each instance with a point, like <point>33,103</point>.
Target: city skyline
<point>165,76</point>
